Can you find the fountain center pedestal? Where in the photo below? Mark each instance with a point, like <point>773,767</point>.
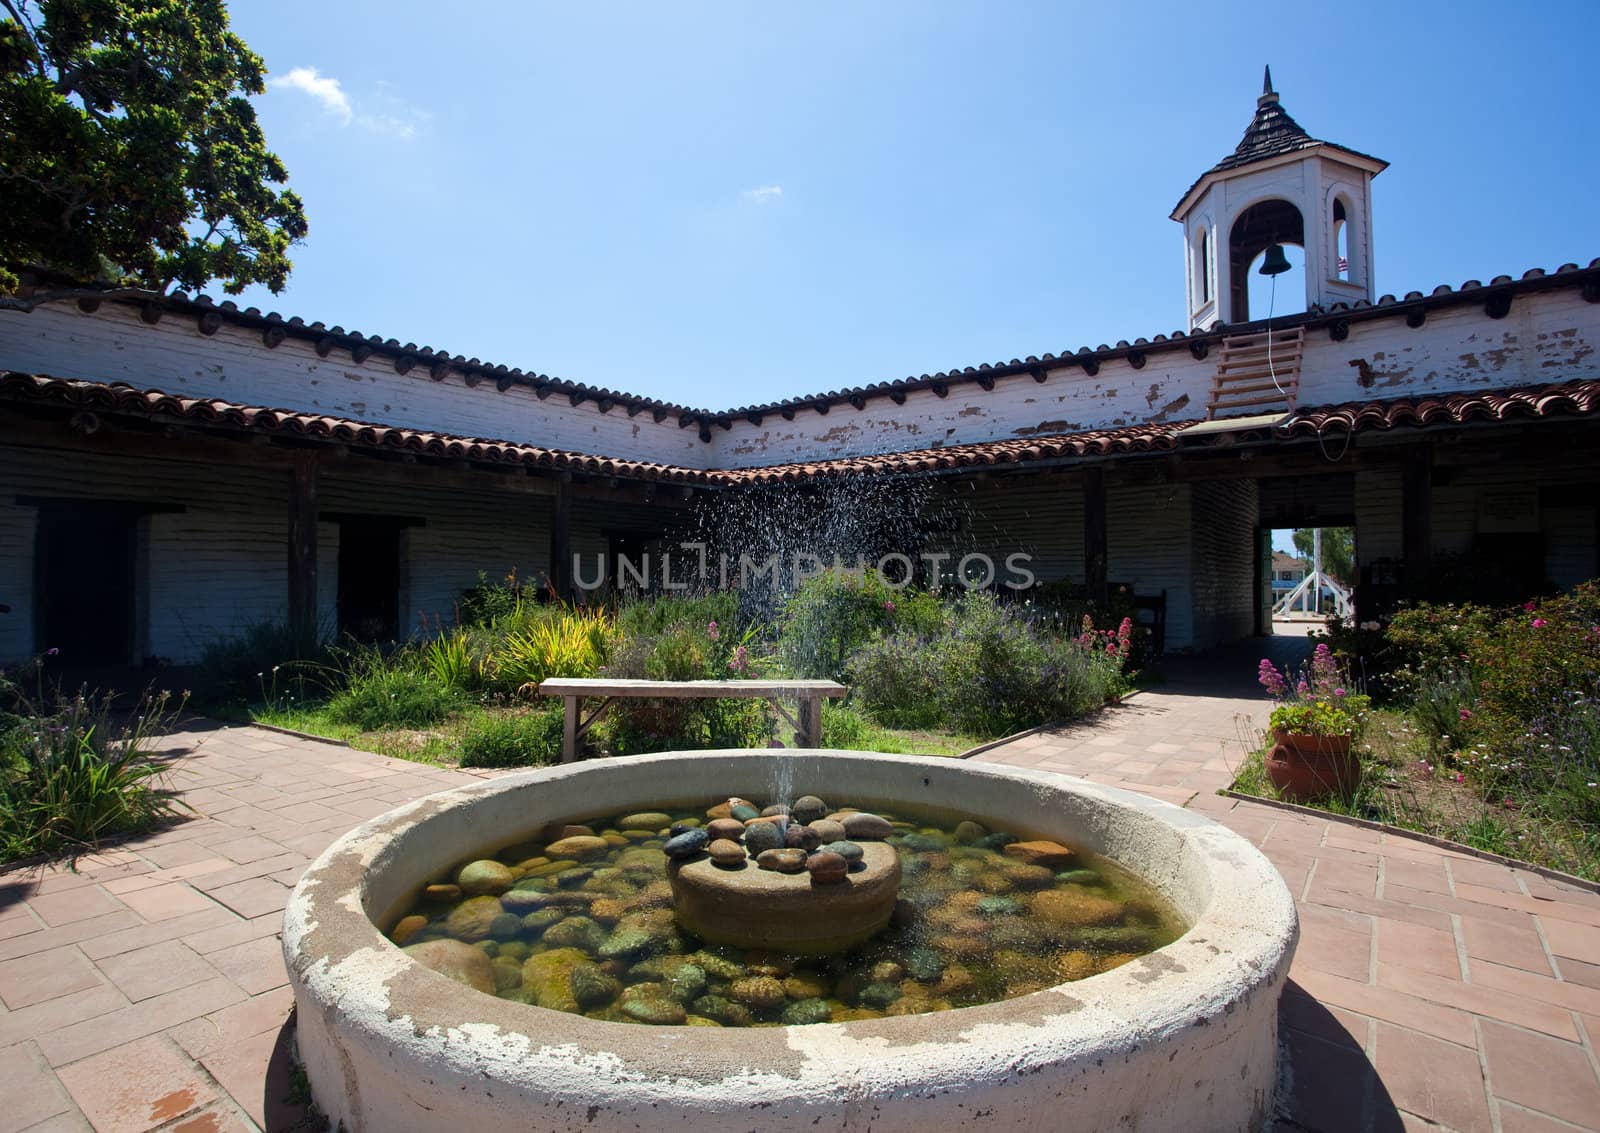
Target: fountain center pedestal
<point>750,907</point>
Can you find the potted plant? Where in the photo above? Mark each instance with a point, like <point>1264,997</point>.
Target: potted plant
<point>1313,728</point>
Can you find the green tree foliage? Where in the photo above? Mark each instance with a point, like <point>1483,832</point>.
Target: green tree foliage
<point>1338,551</point>
<point>130,155</point>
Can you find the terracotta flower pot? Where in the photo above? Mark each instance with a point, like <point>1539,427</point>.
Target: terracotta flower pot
<point>1306,768</point>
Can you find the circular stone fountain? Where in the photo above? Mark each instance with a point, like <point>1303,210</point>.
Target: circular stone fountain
<point>1184,1038</point>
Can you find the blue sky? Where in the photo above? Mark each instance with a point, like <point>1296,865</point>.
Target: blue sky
<point>722,205</point>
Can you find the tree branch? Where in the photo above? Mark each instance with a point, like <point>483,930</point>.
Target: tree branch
<point>33,36</point>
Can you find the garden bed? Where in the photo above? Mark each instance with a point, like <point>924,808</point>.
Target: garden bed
<point>1489,734</point>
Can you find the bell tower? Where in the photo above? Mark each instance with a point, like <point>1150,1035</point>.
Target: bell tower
<point>1279,186</point>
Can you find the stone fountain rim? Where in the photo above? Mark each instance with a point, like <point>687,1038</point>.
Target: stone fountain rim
<point>1241,942</point>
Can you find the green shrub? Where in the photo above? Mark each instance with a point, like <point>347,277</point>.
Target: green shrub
<point>390,694</point>
<point>236,670</point>
<point>832,616</point>
<point>652,617</point>
<point>990,672</point>
<point>558,642</point>
<point>449,658</point>
<point>71,775</point>
<point>489,603</point>
<point>512,739</point>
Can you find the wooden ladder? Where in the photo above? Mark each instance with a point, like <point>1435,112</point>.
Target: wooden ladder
<point>1245,381</point>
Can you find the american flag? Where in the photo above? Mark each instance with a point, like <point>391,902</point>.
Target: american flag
<point>1344,263</point>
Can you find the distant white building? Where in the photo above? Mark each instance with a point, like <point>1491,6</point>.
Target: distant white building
<point>175,469</point>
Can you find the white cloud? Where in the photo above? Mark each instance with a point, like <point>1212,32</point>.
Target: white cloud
<point>391,116</point>
<point>765,195</point>
<point>324,88</point>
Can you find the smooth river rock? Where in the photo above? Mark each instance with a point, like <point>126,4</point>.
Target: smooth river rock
<point>762,836</point>
<point>864,827</point>
<point>460,962</point>
<point>479,878</point>
<point>686,845</point>
<point>651,820</point>
<point>730,828</point>
<point>727,854</point>
<point>808,808</point>
<point>827,868</point>
<point>784,860</point>
<point>1052,855</point>
<point>580,847</point>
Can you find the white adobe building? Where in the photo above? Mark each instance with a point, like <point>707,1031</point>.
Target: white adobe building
<point>173,469</point>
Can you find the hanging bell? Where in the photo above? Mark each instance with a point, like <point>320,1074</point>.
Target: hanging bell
<point>1276,263</point>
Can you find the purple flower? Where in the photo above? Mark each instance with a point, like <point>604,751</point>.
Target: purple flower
<point>52,652</point>
<point>712,631</point>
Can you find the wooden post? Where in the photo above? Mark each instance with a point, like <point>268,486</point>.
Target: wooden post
<point>303,547</point>
<point>569,729</point>
<point>1416,517</point>
<point>1094,534</point>
<point>560,573</point>
<point>810,720</point>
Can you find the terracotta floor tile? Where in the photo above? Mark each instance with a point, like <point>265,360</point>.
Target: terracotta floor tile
<point>1578,972</point>
<point>256,966</point>
<point>85,930</point>
<point>1336,952</point>
<point>1515,1119</point>
<point>241,1069</point>
<point>1541,1073</point>
<point>266,1012</point>
<point>1489,875</point>
<point>1435,1079</point>
<point>45,975</point>
<point>1394,1007</point>
<point>113,1028</point>
<point>136,1087</point>
<point>147,972</point>
<point>69,1122</point>
<point>1527,985</point>
<point>1539,907</point>
<point>1416,875</point>
<point>1572,940</point>
<point>218,1118</point>
<point>1330,1083</point>
<point>1414,946</point>
<point>1514,945</point>
<point>30,1089</point>
<point>144,935</point>
<point>55,1014</point>
<point>1298,1011</point>
<point>78,904</point>
<point>167,901</point>
<point>253,898</point>
<point>1480,1001</point>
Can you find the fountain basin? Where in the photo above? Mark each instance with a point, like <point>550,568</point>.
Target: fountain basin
<point>785,912</point>
<point>1184,1038</point>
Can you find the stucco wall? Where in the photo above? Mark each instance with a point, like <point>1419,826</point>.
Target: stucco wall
<point>114,345</point>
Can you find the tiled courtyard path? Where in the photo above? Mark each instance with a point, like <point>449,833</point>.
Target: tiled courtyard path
<point>1431,989</point>
<point>146,990</point>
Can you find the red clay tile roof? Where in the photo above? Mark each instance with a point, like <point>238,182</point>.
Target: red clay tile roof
<point>409,356</point>
<point>99,397</point>
<point>1097,443</point>
<point>1578,398</point>
<point>1571,399</point>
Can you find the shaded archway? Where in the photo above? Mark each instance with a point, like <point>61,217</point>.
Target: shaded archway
<point>1258,227</point>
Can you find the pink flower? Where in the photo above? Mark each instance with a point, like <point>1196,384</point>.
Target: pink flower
<point>1466,713</point>
<point>1528,606</point>
<point>1338,692</point>
<point>1460,778</point>
<point>712,631</point>
<point>1539,623</point>
<point>889,605</point>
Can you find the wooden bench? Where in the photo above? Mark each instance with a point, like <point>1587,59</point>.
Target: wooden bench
<point>574,690</point>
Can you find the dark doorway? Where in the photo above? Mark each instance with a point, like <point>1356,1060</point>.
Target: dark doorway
<point>369,578</point>
<point>84,582</point>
